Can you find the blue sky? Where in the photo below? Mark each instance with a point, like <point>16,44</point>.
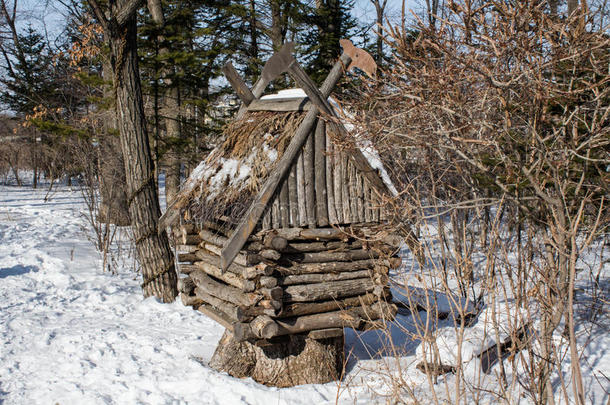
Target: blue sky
<point>50,12</point>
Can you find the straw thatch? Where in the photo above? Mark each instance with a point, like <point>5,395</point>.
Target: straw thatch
<point>224,185</point>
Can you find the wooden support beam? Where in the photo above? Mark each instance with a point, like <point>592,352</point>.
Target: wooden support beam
<point>240,87</point>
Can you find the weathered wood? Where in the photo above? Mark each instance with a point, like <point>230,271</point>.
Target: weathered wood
<point>186,285</point>
<point>247,272</point>
<point>186,248</point>
<point>223,291</point>
<point>337,185</point>
<point>187,257</point>
<point>292,361</point>
<point>190,239</point>
<point>325,333</point>
<point>320,173</point>
<point>328,290</point>
<point>353,193</point>
<point>280,104</point>
<point>322,277</point>
<point>284,202</point>
<point>326,320</point>
<point>302,205</point>
<point>310,191</point>
<point>241,331</point>
<point>330,191</point>
<point>303,234</point>
<point>190,300</point>
<point>274,293</point>
<point>307,268</point>
<point>187,228</point>
<point>270,254</point>
<point>347,212</point>
<point>241,89</point>
<point>250,219</point>
<point>233,312</point>
<point>228,277</point>
<point>324,257</point>
<point>267,282</point>
<point>264,327</point>
<point>293,196</point>
<point>368,212</point>
<point>275,212</point>
<point>274,241</point>
<point>307,308</point>
<point>270,304</point>
<point>187,268</point>
<point>243,259</point>
<point>213,238</point>
<point>266,221</point>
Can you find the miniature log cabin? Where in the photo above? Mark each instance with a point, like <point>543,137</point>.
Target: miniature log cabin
<point>276,230</point>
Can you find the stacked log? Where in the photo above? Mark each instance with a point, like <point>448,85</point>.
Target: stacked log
<point>287,281</point>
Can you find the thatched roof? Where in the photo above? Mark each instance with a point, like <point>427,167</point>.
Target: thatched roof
<point>225,183</point>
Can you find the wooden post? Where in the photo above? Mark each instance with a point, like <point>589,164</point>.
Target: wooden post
<point>320,174</point>
<point>330,187</point>
<point>293,196</point>
<point>302,205</point>
<point>310,194</point>
<point>284,204</point>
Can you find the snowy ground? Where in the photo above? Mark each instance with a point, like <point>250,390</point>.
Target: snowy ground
<point>73,334</point>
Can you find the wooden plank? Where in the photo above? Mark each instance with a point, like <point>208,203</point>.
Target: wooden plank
<point>330,188</point>
<point>360,196</point>
<point>320,173</point>
<point>337,156</point>
<point>280,104</point>
<point>284,202</point>
<point>302,206</point>
<point>293,196</point>
<point>310,191</point>
<point>275,212</point>
<point>249,221</point>
<point>266,221</point>
<point>242,90</point>
<point>347,212</point>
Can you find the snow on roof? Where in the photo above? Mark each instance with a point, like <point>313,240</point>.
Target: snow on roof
<point>287,93</point>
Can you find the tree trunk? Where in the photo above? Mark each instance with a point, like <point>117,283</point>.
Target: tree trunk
<point>152,249</point>
<point>171,111</point>
<point>295,360</point>
<point>113,204</point>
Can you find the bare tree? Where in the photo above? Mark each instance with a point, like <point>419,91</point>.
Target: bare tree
<point>380,6</point>
<point>118,21</point>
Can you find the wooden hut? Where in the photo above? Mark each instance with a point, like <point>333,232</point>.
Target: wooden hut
<point>276,229</point>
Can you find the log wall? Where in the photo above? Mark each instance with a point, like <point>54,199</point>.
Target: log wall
<point>287,281</point>
<point>322,187</point>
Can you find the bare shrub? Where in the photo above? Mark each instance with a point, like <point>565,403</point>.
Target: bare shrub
<point>495,126</point>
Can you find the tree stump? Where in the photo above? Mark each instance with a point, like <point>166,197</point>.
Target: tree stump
<point>296,360</point>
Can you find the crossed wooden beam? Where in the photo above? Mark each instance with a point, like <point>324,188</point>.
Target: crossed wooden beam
<point>284,62</point>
